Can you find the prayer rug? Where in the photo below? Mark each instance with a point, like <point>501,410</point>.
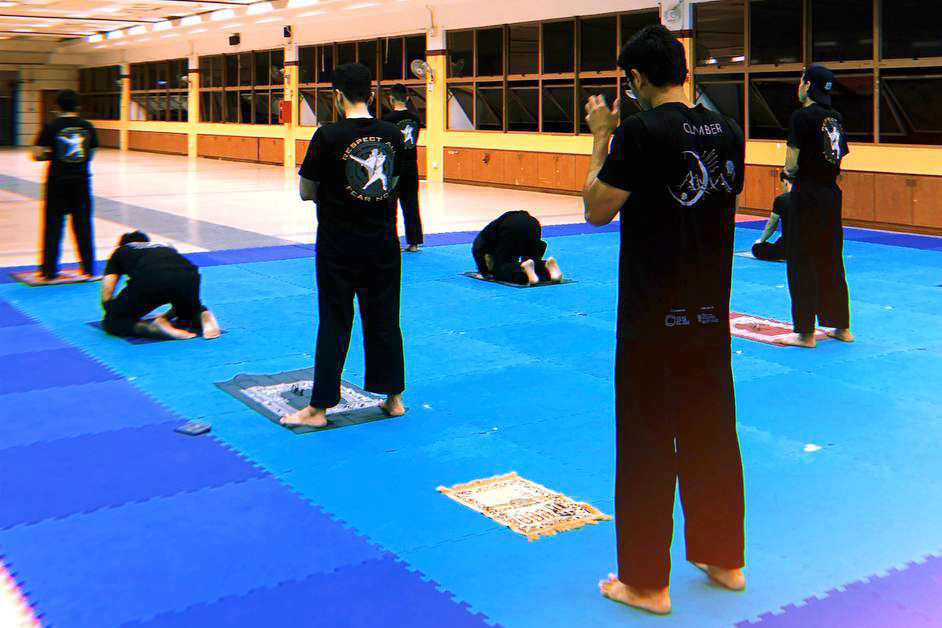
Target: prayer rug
<point>480,277</point>
<point>34,278</point>
<point>763,329</point>
<point>274,396</point>
<point>749,255</point>
<point>525,507</point>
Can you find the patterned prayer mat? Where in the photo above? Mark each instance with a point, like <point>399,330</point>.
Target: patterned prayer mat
<point>763,329</point>
<point>525,507</point>
<point>480,277</point>
<point>34,278</point>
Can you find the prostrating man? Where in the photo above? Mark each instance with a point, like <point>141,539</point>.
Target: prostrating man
<point>509,249</point>
<point>816,146</point>
<point>673,172</point>
<point>351,171</point>
<point>409,124</point>
<point>157,275</point>
<point>775,251</point>
<point>68,143</point>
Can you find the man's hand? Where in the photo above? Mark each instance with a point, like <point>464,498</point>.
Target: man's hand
<point>602,121</point>
<point>41,153</point>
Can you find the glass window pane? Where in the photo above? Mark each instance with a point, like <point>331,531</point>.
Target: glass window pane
<point>245,69</point>
<point>490,52</point>
<point>325,63</point>
<point>722,93</point>
<point>205,75</point>
<point>277,73</point>
<point>558,107</point>
<point>346,53</point>
<point>911,29</point>
<point>217,107</point>
<point>523,49</point>
<point>460,51</point>
<point>306,67</point>
<point>718,32</point>
<point>391,52</point>
<point>595,87</point>
<point>461,107</point>
<point>631,23</point>
<point>325,106</point>
<point>772,99</point>
<point>598,50</point>
<point>262,67</point>
<point>245,107</point>
<point>232,70</point>
<point>232,107</point>
<point>523,106</point>
<point>277,97</point>
<point>775,31</point>
<point>853,97</point>
<point>418,95</point>
<point>205,107</point>
<point>217,70</point>
<point>559,42</point>
<point>839,34</point>
<point>415,49</point>
<point>911,107</point>
<point>367,55</point>
<point>489,108</point>
<point>307,107</point>
<point>261,104</point>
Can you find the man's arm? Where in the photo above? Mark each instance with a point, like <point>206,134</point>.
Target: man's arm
<point>41,153</point>
<point>308,190</point>
<point>108,284</point>
<point>770,226</point>
<point>601,201</point>
<point>791,162</point>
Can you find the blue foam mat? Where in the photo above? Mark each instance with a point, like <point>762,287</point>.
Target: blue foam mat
<point>12,317</point>
<point>49,369</point>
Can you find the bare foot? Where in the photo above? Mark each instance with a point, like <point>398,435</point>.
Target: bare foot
<point>413,248</point>
<point>805,341</point>
<point>163,326</point>
<point>393,406</point>
<point>732,579</point>
<point>307,416</point>
<point>529,269</point>
<point>843,335</point>
<point>657,601</point>
<point>210,325</point>
<point>553,269</point>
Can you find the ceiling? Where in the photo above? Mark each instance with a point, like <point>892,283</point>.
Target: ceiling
<point>57,20</point>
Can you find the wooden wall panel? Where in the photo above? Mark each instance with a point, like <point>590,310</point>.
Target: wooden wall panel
<point>520,169</point>
<point>300,150</point>
<point>582,163</point>
<point>109,138</point>
<point>893,198</point>
<point>458,164</point>
<point>271,150</point>
<point>857,189</point>
<point>422,155</point>
<point>927,202</point>
<point>487,166</point>
<point>565,172</point>
<point>156,142</point>
<point>760,187</point>
<point>228,147</point>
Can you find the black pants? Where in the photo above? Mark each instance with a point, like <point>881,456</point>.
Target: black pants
<point>408,192</point>
<point>769,251</point>
<point>62,198</point>
<point>676,420</point>
<point>517,239</point>
<point>178,287</point>
<point>815,257</point>
<point>372,275</point>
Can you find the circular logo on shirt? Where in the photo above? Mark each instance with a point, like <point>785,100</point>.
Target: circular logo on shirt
<point>70,145</point>
<point>410,132</point>
<point>369,168</point>
<point>695,181</point>
<point>832,134</point>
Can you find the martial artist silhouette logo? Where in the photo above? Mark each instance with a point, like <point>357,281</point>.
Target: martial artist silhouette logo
<point>70,145</point>
<point>703,174</point>
<point>833,134</point>
<point>369,167</point>
<point>407,127</point>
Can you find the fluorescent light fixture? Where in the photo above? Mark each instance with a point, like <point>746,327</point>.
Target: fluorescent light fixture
<point>260,7</point>
<point>94,39</point>
<point>114,35</point>
<point>190,20</point>
<point>235,25</point>
<point>22,30</point>
<point>312,13</point>
<point>137,30</point>
<point>710,61</point>
<point>268,19</point>
<point>738,59</point>
<point>222,14</point>
<point>170,35</point>
<point>7,4</point>
<point>199,30</point>
<point>166,25</point>
<point>298,4</point>
<point>364,5</point>
<point>144,39</point>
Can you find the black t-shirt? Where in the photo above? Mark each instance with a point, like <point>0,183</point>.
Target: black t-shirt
<point>409,125</point>
<point>355,163</point>
<point>72,140</point>
<point>137,259</point>
<point>818,133</point>
<point>684,168</point>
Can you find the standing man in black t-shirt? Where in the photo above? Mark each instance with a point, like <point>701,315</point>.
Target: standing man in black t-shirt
<point>816,281</point>
<point>673,172</point>
<point>409,124</point>
<point>351,171</point>
<point>68,144</point>
<point>781,207</point>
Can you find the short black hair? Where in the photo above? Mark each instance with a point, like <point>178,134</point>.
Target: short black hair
<point>354,80</point>
<point>134,236</point>
<point>399,92</point>
<point>657,54</point>
<point>68,100</point>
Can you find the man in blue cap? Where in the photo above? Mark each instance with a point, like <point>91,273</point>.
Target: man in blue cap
<point>815,238</point>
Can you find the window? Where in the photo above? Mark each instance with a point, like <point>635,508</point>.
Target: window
<point>100,90</point>
<point>366,54</point>
<point>631,23</point>
<point>722,93</point>
<point>558,106</point>
<point>523,106</point>
<point>911,29</point>
<point>772,99</point>
<point>392,59</point>
<point>239,88</point>
<point>159,91</point>
<point>461,54</point>
<point>523,49</point>
<point>853,97</point>
<point>718,32</point>
<point>840,34</point>
<point>595,87</point>
<point>415,50</point>
<point>775,31</point>
<point>911,106</point>
<point>490,52</point>
<point>461,107</point>
<point>489,110</point>
<point>599,48</point>
<point>559,43</point>
<point>418,97</point>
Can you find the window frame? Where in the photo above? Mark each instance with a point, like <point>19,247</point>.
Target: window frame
<point>148,77</point>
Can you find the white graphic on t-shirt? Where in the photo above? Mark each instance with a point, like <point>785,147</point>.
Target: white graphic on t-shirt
<point>832,148</point>
<point>374,168</point>
<point>408,134</point>
<point>705,174</point>
<point>73,145</point>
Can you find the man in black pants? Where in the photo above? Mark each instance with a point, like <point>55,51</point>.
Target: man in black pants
<point>509,249</point>
<point>673,172</point>
<point>351,170</point>
<point>409,124</point>
<point>157,275</point>
<point>775,251</point>
<point>816,146</point>
<point>68,144</point>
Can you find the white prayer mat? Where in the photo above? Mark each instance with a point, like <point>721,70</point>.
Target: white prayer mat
<point>763,329</point>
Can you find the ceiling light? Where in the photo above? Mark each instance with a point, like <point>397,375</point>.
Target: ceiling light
<point>170,35</point>
<point>7,4</point>
<point>297,4</point>
<point>166,25</point>
<point>260,7</point>
<point>738,59</point>
<point>22,30</point>
<point>111,9</point>
<point>364,5</point>
<point>137,30</point>
<point>114,35</point>
<point>222,14</point>
<point>94,39</point>
<point>268,19</point>
<point>199,30</point>
<point>190,20</point>
<point>312,13</point>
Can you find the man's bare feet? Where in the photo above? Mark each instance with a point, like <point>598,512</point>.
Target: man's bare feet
<point>732,579</point>
<point>413,248</point>
<point>657,601</point>
<point>843,335</point>
<point>393,406</point>
<point>805,341</point>
<point>553,269</point>
<point>163,326</point>
<point>529,269</point>
<point>307,416</point>
<point>210,325</point>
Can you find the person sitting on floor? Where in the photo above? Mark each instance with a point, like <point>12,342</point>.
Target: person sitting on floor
<point>775,251</point>
<point>510,249</point>
<point>157,274</point>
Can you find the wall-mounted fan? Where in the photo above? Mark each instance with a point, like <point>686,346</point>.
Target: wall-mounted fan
<point>422,70</point>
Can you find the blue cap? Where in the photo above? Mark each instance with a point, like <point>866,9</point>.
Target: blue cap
<point>822,82</point>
